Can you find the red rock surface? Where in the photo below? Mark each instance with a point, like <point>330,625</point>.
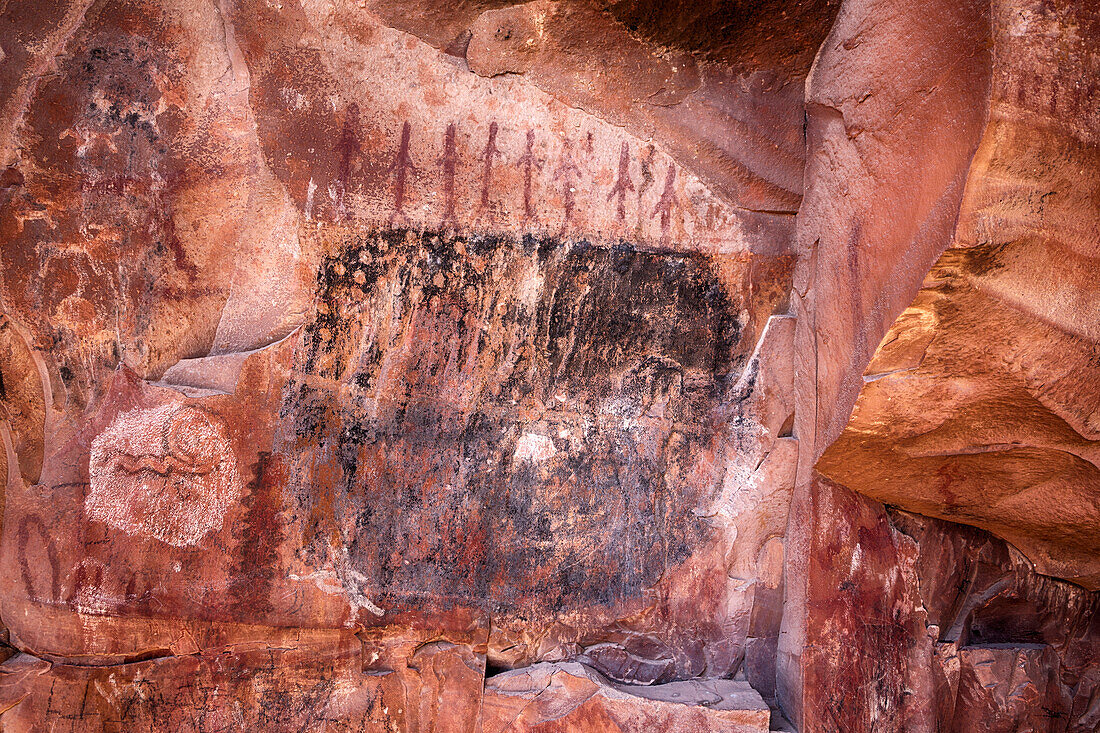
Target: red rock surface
<point>594,365</point>
<point>964,411</point>
<point>570,697</point>
<point>999,344</point>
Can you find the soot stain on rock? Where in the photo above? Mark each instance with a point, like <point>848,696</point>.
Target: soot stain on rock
<point>515,420</point>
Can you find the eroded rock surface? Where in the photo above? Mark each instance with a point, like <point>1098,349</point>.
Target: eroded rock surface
<point>965,409</point>
<point>486,365</point>
<point>1000,358</point>
<point>315,326</point>
<point>571,697</point>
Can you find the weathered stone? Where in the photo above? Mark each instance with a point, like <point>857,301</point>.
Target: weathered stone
<point>282,684</point>
<point>490,365</point>
<point>1006,688</point>
<point>987,607</point>
<point>571,697</point>
<point>878,207</point>
<point>960,415</point>
<point>1002,363</point>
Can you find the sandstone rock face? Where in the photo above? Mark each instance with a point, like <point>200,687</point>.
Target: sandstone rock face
<point>1002,359</point>
<point>317,326</point>
<point>571,697</point>
<point>878,209</point>
<point>487,365</point>
<point>941,627</point>
<point>997,438</point>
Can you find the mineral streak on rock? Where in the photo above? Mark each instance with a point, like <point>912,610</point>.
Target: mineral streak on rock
<point>600,365</point>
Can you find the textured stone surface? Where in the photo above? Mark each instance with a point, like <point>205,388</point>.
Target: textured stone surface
<point>588,365</point>
<point>1013,648</point>
<point>571,697</point>
<point>289,682</point>
<point>965,409</point>
<point>314,325</point>
<point>865,608</point>
<point>277,689</point>
<point>879,207</point>
<point>1002,362</point>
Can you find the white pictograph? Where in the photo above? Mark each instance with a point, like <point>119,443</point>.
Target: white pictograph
<point>165,472</point>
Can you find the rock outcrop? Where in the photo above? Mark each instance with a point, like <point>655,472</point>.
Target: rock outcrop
<point>568,696</point>
<point>595,365</point>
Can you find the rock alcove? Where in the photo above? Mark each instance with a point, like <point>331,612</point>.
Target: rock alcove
<point>578,365</point>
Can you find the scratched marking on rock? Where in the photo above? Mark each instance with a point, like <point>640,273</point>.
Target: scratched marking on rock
<point>44,541</point>
<point>166,472</point>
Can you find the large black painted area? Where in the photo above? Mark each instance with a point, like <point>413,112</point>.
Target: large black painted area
<point>509,423</point>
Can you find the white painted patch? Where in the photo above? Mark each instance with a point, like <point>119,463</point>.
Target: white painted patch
<point>167,472</point>
<point>343,582</point>
<point>534,447</point>
<point>857,558</point>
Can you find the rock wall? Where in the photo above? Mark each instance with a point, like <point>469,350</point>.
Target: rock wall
<point>509,366</point>
<point>973,406</point>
